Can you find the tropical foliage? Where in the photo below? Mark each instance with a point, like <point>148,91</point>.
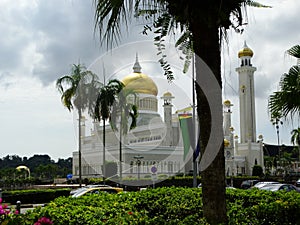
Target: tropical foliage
<point>41,167</point>
<point>79,90</point>
<point>167,206</point>
<point>295,139</point>
<point>106,98</point>
<point>286,101</point>
<point>294,51</point>
<point>123,117</point>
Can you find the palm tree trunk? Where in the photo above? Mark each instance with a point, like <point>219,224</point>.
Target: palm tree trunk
<point>79,147</point>
<point>207,47</point>
<point>103,160</point>
<point>120,151</point>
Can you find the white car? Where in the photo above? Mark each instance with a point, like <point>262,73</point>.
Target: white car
<point>97,190</point>
<point>264,183</point>
<point>86,187</point>
<point>280,187</point>
<point>298,183</point>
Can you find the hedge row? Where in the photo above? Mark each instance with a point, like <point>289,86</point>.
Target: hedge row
<point>34,195</point>
<point>167,206</point>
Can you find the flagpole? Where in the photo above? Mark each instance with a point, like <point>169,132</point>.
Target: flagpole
<point>195,139</point>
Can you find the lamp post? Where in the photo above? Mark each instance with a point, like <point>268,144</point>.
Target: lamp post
<point>138,162</point>
<point>276,122</point>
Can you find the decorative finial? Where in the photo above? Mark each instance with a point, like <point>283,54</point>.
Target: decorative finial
<point>136,67</point>
<point>245,45</point>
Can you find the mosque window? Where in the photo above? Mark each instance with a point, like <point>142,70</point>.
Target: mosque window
<point>170,167</point>
<point>243,170</point>
<point>243,88</point>
<point>131,166</point>
<point>76,170</point>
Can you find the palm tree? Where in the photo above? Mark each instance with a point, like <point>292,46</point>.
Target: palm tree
<point>124,109</point>
<point>286,100</point>
<point>203,25</point>
<point>105,100</point>
<point>295,139</point>
<point>78,90</point>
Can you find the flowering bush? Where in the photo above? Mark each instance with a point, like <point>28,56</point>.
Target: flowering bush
<point>5,212</point>
<point>43,221</point>
<point>12,217</point>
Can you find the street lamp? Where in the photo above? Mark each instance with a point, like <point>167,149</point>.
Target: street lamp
<point>138,162</point>
<point>276,122</point>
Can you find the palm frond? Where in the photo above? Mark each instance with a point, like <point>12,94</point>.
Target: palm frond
<point>295,139</point>
<point>294,51</point>
<point>287,100</point>
<point>256,4</point>
<point>109,16</point>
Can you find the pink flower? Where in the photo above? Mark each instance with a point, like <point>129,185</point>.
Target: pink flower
<point>0,200</point>
<point>44,221</point>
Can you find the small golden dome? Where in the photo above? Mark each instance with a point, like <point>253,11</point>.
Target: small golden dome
<point>167,94</point>
<point>140,83</point>
<point>246,51</point>
<point>226,143</point>
<point>227,102</point>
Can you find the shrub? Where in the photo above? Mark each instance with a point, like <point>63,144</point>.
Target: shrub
<point>167,206</point>
<point>34,195</point>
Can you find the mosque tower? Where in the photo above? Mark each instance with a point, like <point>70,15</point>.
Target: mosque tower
<point>167,98</point>
<point>246,96</point>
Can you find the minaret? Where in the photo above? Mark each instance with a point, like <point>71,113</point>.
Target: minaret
<point>167,97</point>
<point>227,118</point>
<point>246,95</point>
<point>137,67</point>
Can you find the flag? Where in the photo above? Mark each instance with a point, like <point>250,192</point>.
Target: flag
<point>188,134</point>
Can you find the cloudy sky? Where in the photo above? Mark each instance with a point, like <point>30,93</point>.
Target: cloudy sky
<point>40,40</point>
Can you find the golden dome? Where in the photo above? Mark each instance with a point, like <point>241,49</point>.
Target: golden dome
<point>226,143</point>
<point>140,83</point>
<point>167,94</point>
<point>246,51</point>
<point>227,102</point>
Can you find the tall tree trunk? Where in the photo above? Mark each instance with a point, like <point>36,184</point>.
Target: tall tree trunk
<point>207,47</point>
<point>120,151</point>
<point>79,147</point>
<point>103,160</point>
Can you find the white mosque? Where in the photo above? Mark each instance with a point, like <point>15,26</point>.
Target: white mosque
<point>156,145</point>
